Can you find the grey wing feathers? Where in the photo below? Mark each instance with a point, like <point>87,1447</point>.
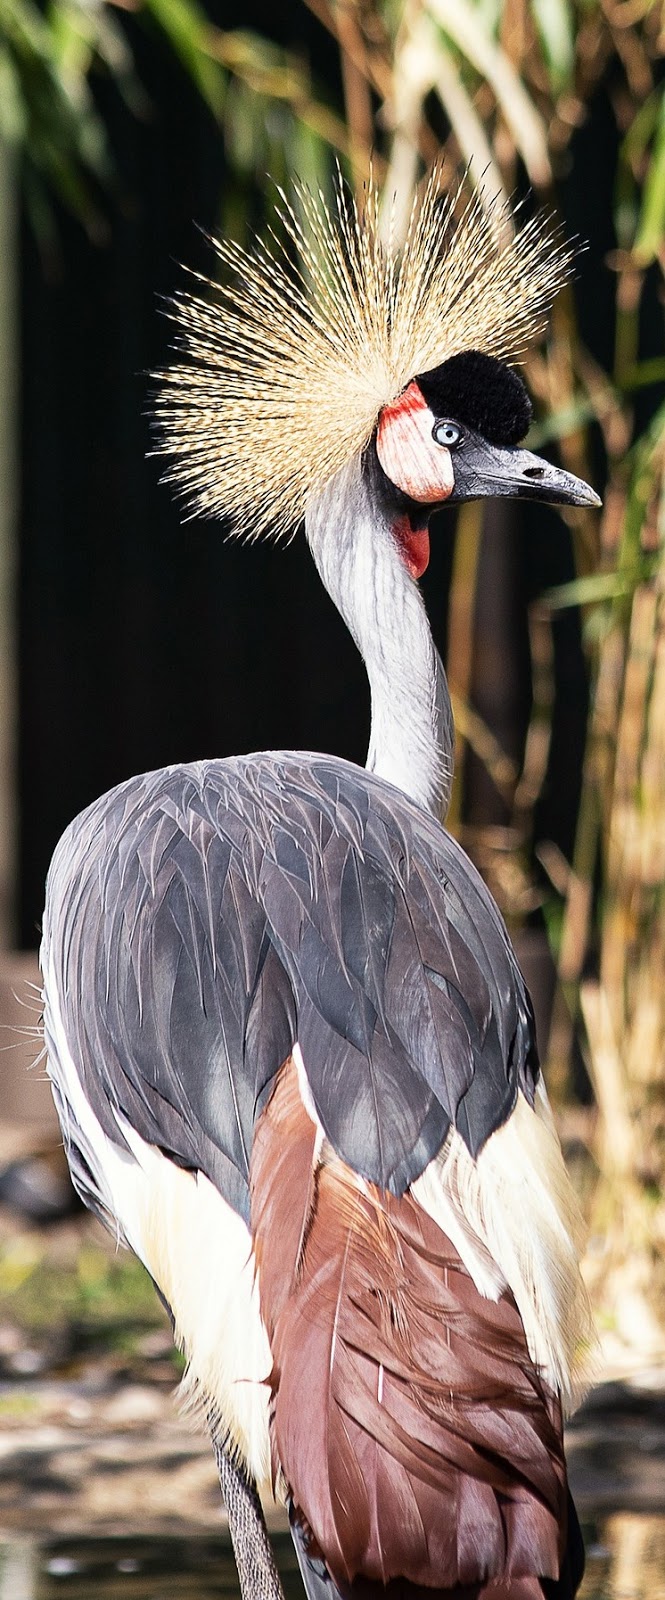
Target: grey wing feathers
<point>201,919</point>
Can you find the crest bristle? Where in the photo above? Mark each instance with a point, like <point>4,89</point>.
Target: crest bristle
<point>288,366</point>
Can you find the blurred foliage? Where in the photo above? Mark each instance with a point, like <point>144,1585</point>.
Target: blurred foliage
<point>47,109</point>
<point>500,87</point>
<point>52,57</point>
<point>47,1282</point>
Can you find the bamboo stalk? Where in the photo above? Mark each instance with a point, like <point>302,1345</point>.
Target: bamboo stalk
<point>609,1083</point>
<point>357,96</point>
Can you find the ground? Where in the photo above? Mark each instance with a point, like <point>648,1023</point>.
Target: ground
<point>106,1489</point>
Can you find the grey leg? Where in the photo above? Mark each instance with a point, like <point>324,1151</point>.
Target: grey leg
<point>258,1575</point>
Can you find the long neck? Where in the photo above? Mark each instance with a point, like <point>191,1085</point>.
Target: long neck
<point>411,739</point>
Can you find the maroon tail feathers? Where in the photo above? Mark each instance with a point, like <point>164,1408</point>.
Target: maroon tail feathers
<point>420,1447</point>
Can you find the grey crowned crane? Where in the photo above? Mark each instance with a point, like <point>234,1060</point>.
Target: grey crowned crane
<point>291,1048</point>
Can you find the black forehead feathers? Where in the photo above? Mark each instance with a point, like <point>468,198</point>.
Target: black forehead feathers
<point>482,392</point>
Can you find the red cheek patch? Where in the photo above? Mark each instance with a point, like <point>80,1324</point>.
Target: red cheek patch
<point>408,453</point>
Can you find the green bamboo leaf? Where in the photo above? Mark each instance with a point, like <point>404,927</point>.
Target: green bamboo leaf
<point>73,41</point>
<point>651,439</point>
<point>651,227</point>
<point>187,29</point>
<point>244,132</point>
<point>560,424</point>
<point>646,462</point>
<point>310,158</point>
<point>646,372</point>
<point>13,112</point>
<point>25,27</point>
<point>597,587</point>
<point>555,28</point>
<point>642,127</point>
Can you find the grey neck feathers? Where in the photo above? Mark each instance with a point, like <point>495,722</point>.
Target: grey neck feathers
<point>411,739</point>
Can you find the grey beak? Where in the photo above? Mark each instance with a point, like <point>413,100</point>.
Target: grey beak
<point>485,470</point>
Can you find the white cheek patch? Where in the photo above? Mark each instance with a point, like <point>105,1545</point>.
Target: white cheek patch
<point>409,455</point>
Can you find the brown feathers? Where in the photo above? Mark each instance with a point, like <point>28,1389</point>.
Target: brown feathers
<point>289,366</point>
<point>412,1429</point>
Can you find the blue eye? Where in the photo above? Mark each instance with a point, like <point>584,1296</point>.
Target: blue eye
<point>447,433</point>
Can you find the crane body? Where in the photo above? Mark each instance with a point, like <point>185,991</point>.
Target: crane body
<point>292,1050</point>
<point>210,989</point>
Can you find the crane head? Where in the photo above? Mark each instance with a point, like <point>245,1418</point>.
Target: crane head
<point>339,339</point>
<point>453,434</point>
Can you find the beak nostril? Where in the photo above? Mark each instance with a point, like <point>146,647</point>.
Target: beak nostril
<point>534,472</point>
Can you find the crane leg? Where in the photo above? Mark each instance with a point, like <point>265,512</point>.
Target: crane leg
<point>257,1572</point>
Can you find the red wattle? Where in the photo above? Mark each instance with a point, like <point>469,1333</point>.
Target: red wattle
<point>413,545</point>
